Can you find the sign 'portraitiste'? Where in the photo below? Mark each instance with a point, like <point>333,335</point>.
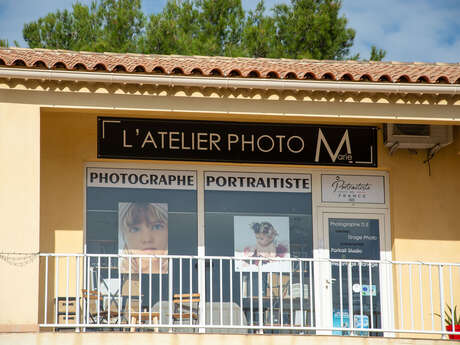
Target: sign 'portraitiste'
<point>132,138</point>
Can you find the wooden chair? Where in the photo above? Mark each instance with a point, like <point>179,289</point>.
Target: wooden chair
<point>186,307</point>
<point>151,318</point>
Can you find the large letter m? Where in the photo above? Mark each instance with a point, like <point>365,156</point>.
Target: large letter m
<point>322,139</point>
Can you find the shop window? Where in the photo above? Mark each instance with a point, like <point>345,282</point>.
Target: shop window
<point>141,212</point>
<point>253,216</point>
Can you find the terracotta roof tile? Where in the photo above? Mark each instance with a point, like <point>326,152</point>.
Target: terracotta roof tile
<point>213,66</point>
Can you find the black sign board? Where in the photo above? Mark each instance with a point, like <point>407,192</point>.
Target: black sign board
<point>356,239</point>
<point>132,138</point>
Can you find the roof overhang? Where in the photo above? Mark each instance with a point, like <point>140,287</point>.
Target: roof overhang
<point>235,83</point>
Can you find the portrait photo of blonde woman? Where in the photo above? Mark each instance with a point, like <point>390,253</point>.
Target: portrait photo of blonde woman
<point>143,230</point>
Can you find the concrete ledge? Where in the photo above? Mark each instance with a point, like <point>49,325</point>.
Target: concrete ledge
<point>18,328</point>
<point>120,338</point>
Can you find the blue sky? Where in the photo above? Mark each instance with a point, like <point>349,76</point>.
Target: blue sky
<point>409,30</point>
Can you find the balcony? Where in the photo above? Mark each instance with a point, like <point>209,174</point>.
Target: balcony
<point>231,295</point>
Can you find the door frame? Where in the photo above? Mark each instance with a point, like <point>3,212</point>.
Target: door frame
<point>324,300</point>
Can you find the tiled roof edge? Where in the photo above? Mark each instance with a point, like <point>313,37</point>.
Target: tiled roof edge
<point>217,66</point>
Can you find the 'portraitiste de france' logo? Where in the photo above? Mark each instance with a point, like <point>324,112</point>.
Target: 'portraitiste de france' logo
<point>368,189</point>
<point>334,156</point>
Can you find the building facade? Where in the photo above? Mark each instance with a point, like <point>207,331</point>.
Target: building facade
<point>290,196</point>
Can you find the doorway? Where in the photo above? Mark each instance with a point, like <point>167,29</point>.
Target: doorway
<point>354,277</point>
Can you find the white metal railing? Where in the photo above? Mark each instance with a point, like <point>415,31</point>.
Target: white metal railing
<point>174,293</point>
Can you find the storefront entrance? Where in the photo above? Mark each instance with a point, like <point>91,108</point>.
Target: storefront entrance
<point>356,280</point>
<point>267,247</point>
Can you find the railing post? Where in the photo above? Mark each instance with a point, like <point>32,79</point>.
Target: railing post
<point>160,291</point>
<point>170,293</point>
<point>56,289</point>
<point>350,297</point>
<point>421,296</point>
<point>202,290</point>
<point>211,294</point>
<point>242,291</point>
<point>85,285</point>
<point>46,289</point>
<point>401,303</point>
<point>301,269</point>
<point>260,297</point>
<point>67,290</point>
<point>411,302</point>
<point>441,299</point>
<point>77,293</point>
<point>230,262</point>
<point>221,294</point>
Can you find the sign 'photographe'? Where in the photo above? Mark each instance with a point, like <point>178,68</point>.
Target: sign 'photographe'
<point>352,188</point>
<point>140,178</point>
<point>131,138</point>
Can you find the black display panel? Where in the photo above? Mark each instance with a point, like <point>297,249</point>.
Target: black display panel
<point>132,138</point>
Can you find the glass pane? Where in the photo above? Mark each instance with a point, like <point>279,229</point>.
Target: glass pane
<point>259,226</point>
<point>141,220</point>
<point>356,240</point>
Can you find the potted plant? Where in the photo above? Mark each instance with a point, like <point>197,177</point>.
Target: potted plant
<point>452,320</point>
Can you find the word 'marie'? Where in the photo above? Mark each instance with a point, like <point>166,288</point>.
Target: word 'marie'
<point>209,141</point>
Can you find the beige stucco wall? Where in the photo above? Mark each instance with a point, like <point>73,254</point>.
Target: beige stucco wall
<point>425,227</point>
<point>424,207</point>
<point>20,212</point>
<point>46,174</point>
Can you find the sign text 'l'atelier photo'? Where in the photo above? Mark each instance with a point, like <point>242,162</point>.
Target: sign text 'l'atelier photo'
<point>241,142</point>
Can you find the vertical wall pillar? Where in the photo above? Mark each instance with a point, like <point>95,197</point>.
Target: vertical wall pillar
<point>20,216</point>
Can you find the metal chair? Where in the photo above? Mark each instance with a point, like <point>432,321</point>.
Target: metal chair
<point>94,307</point>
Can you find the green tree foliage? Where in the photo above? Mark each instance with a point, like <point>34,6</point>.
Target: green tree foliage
<point>122,23</point>
<point>5,44</point>
<point>221,26</point>
<point>204,27</point>
<point>300,29</point>
<point>377,54</point>
<point>105,25</point>
<point>59,30</point>
<point>312,29</point>
<point>172,30</point>
<point>259,33</point>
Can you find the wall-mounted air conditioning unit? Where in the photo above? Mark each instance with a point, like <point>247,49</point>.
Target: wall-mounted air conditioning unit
<point>404,136</point>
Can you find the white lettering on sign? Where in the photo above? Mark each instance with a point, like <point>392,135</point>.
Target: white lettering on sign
<point>334,156</point>
<point>142,138</point>
<point>204,141</point>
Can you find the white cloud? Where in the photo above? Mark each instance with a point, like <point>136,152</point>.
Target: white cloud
<point>419,30</point>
